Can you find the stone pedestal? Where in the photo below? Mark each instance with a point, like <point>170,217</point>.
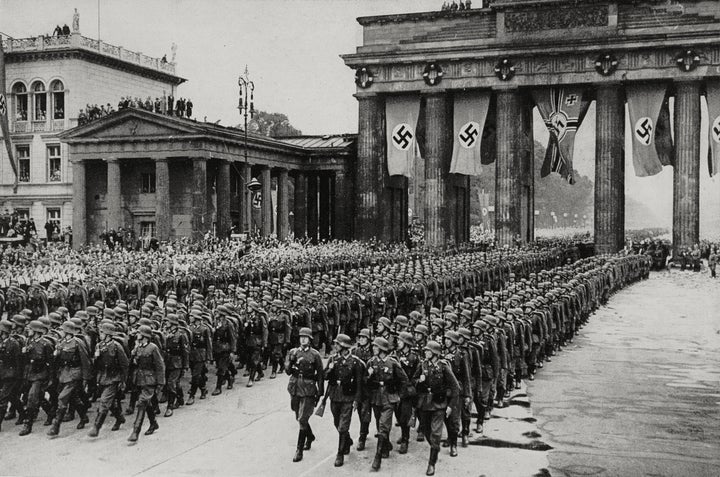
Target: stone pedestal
<point>507,167</point>
<point>113,198</point>
<point>609,169</point>
<point>686,173</point>
<point>438,148</point>
<point>370,155</point>
<point>163,220</point>
<point>283,209</point>
<point>79,218</point>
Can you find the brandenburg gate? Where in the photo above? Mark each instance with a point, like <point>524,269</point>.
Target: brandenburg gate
<point>510,52</point>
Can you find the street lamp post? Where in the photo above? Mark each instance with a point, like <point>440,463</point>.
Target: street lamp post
<point>246,105</point>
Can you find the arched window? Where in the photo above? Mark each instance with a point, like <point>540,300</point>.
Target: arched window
<point>21,102</point>
<point>58,99</point>
<point>39,101</point>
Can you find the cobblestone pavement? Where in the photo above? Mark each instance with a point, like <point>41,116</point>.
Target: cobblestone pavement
<point>638,391</point>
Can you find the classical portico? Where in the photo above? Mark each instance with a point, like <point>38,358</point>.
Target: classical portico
<point>171,177</point>
<point>510,49</point>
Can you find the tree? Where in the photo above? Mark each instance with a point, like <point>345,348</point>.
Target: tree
<point>272,125</point>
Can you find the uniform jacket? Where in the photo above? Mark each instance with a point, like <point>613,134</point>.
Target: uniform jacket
<point>149,365</point>
<point>10,358</point>
<point>385,379</point>
<point>304,365</point>
<point>409,360</point>
<point>178,350</point>
<point>39,359</point>
<point>436,385</point>
<point>111,363</point>
<point>201,341</point>
<point>344,376</point>
<point>72,360</point>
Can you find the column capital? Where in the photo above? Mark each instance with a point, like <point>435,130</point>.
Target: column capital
<point>111,159</point>
<point>161,159</point>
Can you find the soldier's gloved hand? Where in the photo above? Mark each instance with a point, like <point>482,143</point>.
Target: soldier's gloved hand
<point>448,411</point>
<point>467,401</point>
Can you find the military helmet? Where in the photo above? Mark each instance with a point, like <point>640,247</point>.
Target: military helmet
<point>382,343</point>
<point>6,326</point>
<point>69,327</point>
<point>20,320</point>
<point>385,321</point>
<point>480,324</point>
<point>307,332</point>
<point>452,336</point>
<point>422,329</point>
<point>364,332</point>
<point>407,338</point>
<point>344,341</point>
<point>434,347</point>
<point>145,331</point>
<point>37,326</point>
<point>465,333</point>
<point>401,320</point>
<point>108,328</point>
<point>172,318</point>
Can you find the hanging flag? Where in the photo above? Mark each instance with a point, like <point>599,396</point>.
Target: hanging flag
<point>401,116</point>
<point>563,110</point>
<point>648,130</point>
<point>4,126</point>
<point>663,137</point>
<point>489,139</point>
<point>468,124</point>
<point>713,104</point>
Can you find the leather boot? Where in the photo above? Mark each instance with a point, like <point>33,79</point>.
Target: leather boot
<point>170,404</point>
<point>84,419</point>
<point>309,438</point>
<point>55,429</point>
<point>27,427</point>
<point>137,425</point>
<point>119,420</point>
<point>130,409</point>
<point>432,461</point>
<point>20,418</point>
<point>348,443</point>
<point>361,442</point>
<point>49,419</point>
<point>378,453</point>
<point>203,393</point>
<point>69,416</point>
<point>251,381</point>
<point>218,386</point>
<point>300,444</point>
<point>231,381</point>
<point>153,422</point>
<point>453,447</point>
<point>179,398</point>
<point>405,437</point>
<point>191,399</point>
<point>99,420</point>
<point>340,458</point>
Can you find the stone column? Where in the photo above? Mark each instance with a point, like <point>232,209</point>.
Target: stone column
<point>324,210</point>
<point>245,197</point>
<point>609,168</point>
<point>686,173</point>
<point>527,172</point>
<point>113,197</point>
<point>343,206</point>
<point>266,204</point>
<point>163,218</point>
<point>312,206</point>
<point>199,198</point>
<point>370,155</point>
<point>79,219</point>
<point>438,148</point>
<point>300,205</point>
<point>507,166</point>
<point>283,209</point>
<point>222,184</point>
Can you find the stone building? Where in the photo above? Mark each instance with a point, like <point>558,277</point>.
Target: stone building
<point>49,80</point>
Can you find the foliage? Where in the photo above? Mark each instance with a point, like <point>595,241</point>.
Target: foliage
<point>272,125</point>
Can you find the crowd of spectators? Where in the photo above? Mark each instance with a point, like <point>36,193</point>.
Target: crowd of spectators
<point>165,105</point>
<point>456,6</point>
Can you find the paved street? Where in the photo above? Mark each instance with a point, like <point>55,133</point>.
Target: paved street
<point>637,393</point>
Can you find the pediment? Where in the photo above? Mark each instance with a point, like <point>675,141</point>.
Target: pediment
<point>138,127</point>
<point>128,124</point>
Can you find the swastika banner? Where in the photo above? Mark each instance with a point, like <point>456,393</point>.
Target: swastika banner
<point>563,110</point>
<point>401,116</point>
<point>713,104</point>
<point>469,122</point>
<point>648,128</point>
<point>4,107</point>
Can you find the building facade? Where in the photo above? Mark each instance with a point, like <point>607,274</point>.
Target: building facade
<point>49,81</point>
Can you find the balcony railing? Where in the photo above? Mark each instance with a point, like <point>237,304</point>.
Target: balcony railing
<point>77,41</point>
<point>51,125</point>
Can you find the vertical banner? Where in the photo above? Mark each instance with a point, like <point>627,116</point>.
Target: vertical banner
<point>401,117</point>
<point>489,135</point>
<point>645,102</point>
<point>4,112</point>
<point>563,110</point>
<point>713,104</point>
<point>469,117</point>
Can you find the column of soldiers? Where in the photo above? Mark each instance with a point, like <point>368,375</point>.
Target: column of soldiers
<point>62,364</point>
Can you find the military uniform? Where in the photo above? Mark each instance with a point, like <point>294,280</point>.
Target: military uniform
<point>409,361</point>
<point>224,342</point>
<point>39,361</point>
<point>178,355</point>
<point>364,409</point>
<point>10,366</point>
<point>200,352</point>
<point>278,330</point>
<point>112,365</point>
<point>256,340</point>
<point>149,378</point>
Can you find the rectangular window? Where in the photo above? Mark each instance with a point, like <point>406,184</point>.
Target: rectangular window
<point>148,183</point>
<point>54,172</point>
<point>21,107</point>
<point>59,103</point>
<point>23,158</point>
<point>147,229</point>
<point>23,214</point>
<point>40,106</point>
<point>53,216</point>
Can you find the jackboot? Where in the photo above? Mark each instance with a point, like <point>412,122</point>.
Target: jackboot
<point>130,409</point>
<point>203,393</point>
<point>27,427</point>
<point>300,444</point>
<point>179,398</point>
<point>405,437</point>
<point>251,380</point>
<point>99,420</point>
<point>191,399</point>
<point>348,443</point>
<point>464,441</point>
<point>137,425</point>
<point>432,461</point>
<point>55,429</point>
<point>170,404</point>
<point>361,442</point>
<point>49,418</point>
<point>340,458</point>
<point>119,420</point>
<point>378,453</point>
<point>309,438</point>
<point>218,386</point>
<point>84,419</point>
<point>231,381</point>
<point>153,422</point>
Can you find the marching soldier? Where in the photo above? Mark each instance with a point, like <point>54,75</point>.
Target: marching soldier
<point>364,352</point>
<point>223,344</point>
<point>176,346</point>
<point>409,360</point>
<point>149,378</point>
<point>458,360</point>
<point>344,373</point>
<point>278,336</point>
<point>74,370</point>
<point>10,365</point>
<point>39,360</point>
<point>200,352</point>
<point>256,339</point>
<point>436,386</point>
<point>306,385</point>
<point>112,366</point>
<point>384,380</point>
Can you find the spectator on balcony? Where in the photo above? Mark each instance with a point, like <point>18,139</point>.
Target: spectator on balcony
<point>454,6</point>
<point>59,113</point>
<point>188,108</point>
<point>82,118</point>
<point>468,5</point>
<point>164,59</point>
<point>170,104</point>
<point>65,30</point>
<point>57,31</point>
<point>461,6</point>
<point>149,104</point>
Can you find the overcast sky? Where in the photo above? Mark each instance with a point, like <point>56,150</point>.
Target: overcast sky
<point>291,48</point>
